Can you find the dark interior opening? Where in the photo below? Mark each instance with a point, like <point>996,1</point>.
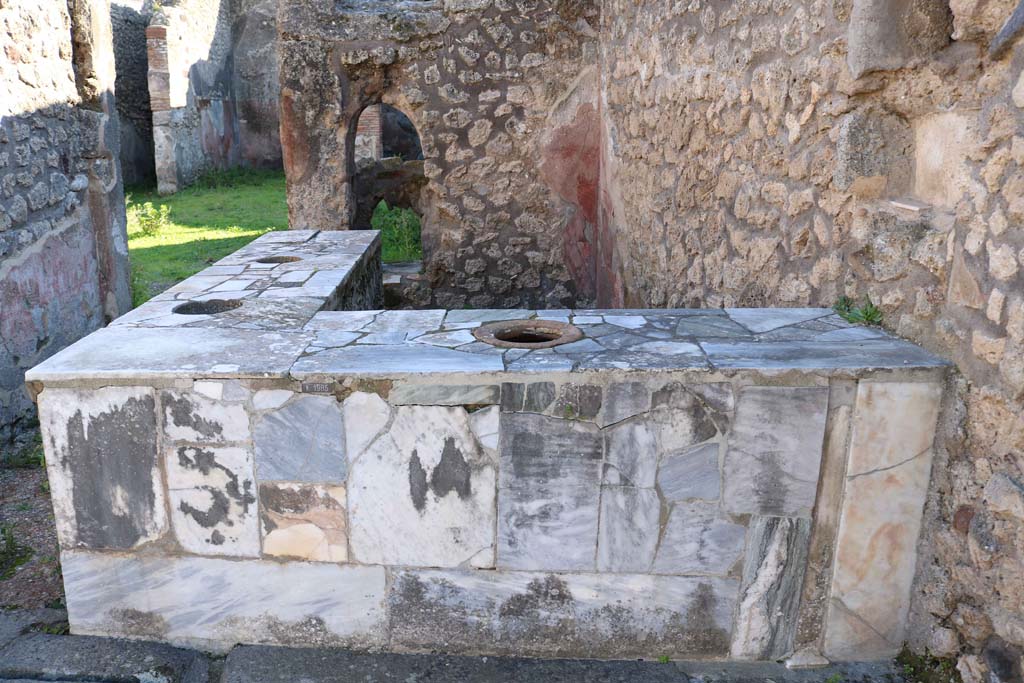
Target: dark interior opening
<point>208,307</point>
<point>527,336</point>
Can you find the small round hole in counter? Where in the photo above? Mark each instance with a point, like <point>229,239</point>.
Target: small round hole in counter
<point>208,307</point>
<point>278,259</point>
<point>527,334</point>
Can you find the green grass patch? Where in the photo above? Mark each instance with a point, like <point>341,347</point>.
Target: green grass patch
<point>400,233</point>
<point>26,457</point>
<point>171,238</point>
<point>12,553</point>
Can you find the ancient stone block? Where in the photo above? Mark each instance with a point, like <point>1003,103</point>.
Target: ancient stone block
<point>422,494</point>
<point>874,154</point>
<point>301,441</point>
<point>605,615</point>
<point>886,483</point>
<point>773,574</point>
<point>103,466</point>
<point>774,451</point>
<point>304,521</point>
<point>698,539</point>
<point>215,603</point>
<point>549,490</point>
<point>888,34</point>
<point>213,500</point>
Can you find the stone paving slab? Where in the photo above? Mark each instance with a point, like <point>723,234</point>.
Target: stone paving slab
<point>261,664</point>
<point>14,623</point>
<point>85,658</point>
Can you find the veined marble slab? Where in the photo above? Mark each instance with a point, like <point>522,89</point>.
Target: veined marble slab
<point>887,476</point>
<point>215,604</point>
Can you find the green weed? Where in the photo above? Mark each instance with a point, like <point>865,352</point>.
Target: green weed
<point>927,668</point>
<point>868,314</point>
<point>400,233</point>
<point>146,219</point>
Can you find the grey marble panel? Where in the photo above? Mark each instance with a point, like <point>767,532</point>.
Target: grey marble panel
<point>444,394</point>
<point>304,440</point>
<point>215,603</point>
<point>774,451</point>
<point>629,529</point>
<point>692,473</point>
<point>549,485</point>
<point>545,614</point>
<point>697,539</point>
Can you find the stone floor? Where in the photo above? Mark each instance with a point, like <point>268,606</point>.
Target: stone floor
<point>30,651</point>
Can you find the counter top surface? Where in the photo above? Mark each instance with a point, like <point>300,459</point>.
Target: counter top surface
<point>281,284</point>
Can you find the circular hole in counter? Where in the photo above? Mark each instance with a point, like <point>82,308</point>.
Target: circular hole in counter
<point>278,259</point>
<point>208,307</point>
<point>527,334</point>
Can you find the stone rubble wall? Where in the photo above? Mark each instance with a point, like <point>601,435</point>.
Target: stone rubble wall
<point>63,246</point>
<point>504,97</point>
<point>255,79</point>
<point>789,152</point>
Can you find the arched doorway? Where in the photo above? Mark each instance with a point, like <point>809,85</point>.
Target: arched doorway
<point>388,180</point>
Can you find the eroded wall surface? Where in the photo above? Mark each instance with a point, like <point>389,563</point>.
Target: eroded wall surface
<point>504,98</point>
<point>788,152</point>
<point>213,80</point>
<point>63,248</point>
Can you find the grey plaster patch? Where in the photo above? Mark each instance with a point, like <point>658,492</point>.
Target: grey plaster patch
<point>697,539</point>
<point>103,466</point>
<point>301,441</point>
<point>774,451</point>
<point>548,492</point>
<point>605,615</point>
<point>692,473</point>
